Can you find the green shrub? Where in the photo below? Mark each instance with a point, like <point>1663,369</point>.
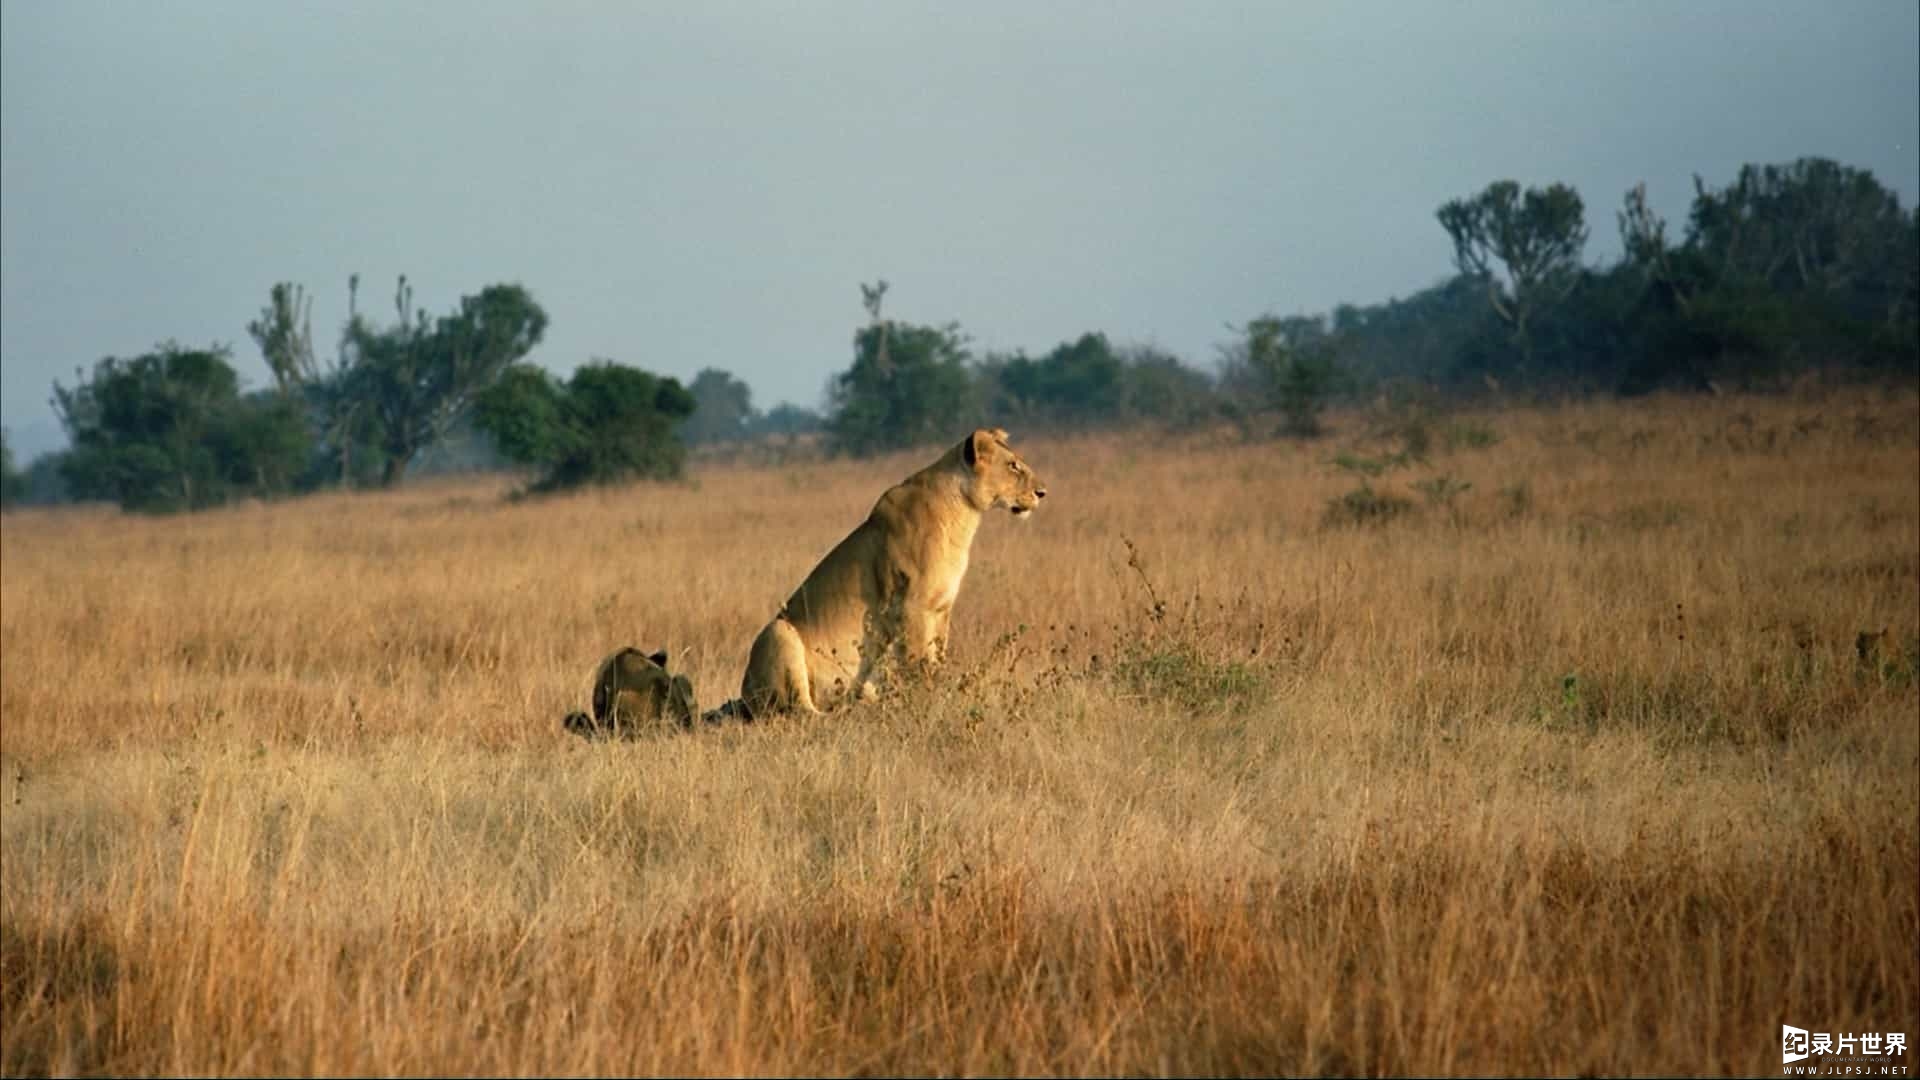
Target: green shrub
<point>609,423</point>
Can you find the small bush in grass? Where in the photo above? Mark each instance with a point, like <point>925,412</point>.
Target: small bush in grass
<point>1366,506</point>
<point>1184,658</point>
<point>1180,672</point>
<point>1442,490</point>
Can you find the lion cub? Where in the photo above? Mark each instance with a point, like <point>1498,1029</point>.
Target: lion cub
<point>889,586</point>
<point>631,691</point>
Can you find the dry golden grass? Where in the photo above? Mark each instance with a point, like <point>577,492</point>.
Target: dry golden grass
<point>1581,773</point>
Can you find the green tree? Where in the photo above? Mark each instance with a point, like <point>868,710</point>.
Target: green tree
<point>908,385</point>
<point>1813,225</point>
<point>787,419</point>
<point>347,437</point>
<point>1078,382</point>
<point>1535,237</point>
<point>262,443</point>
<point>1787,266</point>
<point>1645,249</point>
<point>723,408</point>
<point>13,483</point>
<point>524,413</point>
<point>1443,334</point>
<point>608,423</point>
<point>415,379</point>
<point>168,430</point>
<point>284,332</point>
<point>1156,386</point>
<point>1291,361</point>
<point>1808,261</point>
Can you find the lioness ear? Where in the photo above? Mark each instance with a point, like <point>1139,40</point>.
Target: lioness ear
<point>978,445</point>
<point>659,658</point>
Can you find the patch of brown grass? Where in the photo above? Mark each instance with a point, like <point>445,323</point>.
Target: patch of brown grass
<point>1589,780</point>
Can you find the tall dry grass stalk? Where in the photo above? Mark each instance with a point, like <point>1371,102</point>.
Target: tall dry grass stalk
<point>1583,768</point>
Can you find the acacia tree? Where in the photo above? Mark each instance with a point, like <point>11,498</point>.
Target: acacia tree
<point>415,379</point>
<point>1535,237</point>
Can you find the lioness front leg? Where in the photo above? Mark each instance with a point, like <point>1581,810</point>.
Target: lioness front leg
<point>937,647</point>
<point>925,643</point>
<point>924,632</point>
<point>875,644</point>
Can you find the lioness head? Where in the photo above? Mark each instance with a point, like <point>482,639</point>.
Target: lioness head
<point>1000,476</point>
<point>633,690</point>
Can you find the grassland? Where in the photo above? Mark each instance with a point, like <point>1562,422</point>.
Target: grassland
<point>1583,767</point>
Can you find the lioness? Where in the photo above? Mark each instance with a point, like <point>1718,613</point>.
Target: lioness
<point>632,690</point>
<point>889,586</point>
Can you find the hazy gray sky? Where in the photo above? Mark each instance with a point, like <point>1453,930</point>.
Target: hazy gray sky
<point>684,185</point>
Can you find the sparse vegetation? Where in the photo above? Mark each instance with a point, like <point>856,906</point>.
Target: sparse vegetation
<point>1441,490</point>
<point>1366,505</point>
<point>1560,782</point>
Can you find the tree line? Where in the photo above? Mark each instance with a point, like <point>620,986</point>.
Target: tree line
<point>1806,265</point>
<point>1789,268</point>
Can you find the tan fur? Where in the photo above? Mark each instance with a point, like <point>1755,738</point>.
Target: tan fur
<point>631,692</point>
<point>888,589</point>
